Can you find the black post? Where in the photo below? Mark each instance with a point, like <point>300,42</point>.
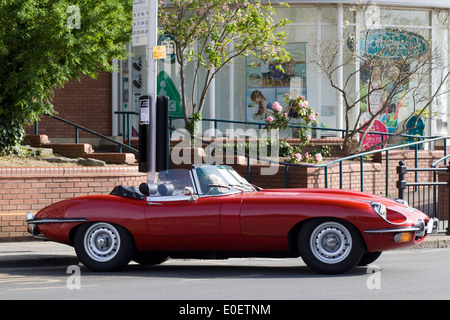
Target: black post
<point>144,133</point>
<point>162,133</point>
<point>401,183</point>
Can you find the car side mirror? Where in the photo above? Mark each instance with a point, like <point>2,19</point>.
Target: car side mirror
<point>189,191</point>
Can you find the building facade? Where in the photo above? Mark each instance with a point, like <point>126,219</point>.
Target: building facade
<point>315,25</point>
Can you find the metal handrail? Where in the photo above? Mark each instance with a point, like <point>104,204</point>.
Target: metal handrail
<point>78,127</point>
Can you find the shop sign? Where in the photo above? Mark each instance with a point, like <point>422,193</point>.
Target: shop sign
<point>390,43</point>
<point>168,41</point>
<point>372,139</point>
<point>167,88</point>
<point>140,23</point>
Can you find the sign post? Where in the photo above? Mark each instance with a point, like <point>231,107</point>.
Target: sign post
<point>151,81</point>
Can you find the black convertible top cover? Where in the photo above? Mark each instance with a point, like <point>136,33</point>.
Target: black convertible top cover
<point>129,192</point>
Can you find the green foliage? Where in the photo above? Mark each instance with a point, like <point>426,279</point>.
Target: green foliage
<point>214,25</point>
<point>41,49</point>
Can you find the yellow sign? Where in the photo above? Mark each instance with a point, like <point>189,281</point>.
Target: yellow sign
<point>159,52</point>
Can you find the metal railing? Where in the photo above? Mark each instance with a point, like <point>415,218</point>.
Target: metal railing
<point>431,197</point>
<point>416,146</point>
<point>77,129</point>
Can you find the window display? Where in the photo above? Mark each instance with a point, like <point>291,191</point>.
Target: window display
<point>265,83</point>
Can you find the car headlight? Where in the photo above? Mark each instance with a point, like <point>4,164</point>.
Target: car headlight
<point>379,208</point>
<point>29,216</point>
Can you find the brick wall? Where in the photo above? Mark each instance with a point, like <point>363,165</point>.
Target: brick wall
<point>86,102</point>
<point>31,189</point>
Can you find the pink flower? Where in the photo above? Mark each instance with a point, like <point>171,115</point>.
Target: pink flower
<point>277,107</point>
<point>318,157</point>
<point>269,119</point>
<point>308,137</point>
<point>312,117</point>
<point>298,157</point>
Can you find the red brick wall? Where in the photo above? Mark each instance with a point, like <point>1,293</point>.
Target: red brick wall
<point>87,103</point>
<point>31,189</point>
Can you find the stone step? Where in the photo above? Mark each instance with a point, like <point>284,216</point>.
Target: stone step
<point>78,150</point>
<point>36,140</point>
<point>113,158</point>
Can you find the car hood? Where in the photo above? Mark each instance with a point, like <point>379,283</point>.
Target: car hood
<point>348,195</point>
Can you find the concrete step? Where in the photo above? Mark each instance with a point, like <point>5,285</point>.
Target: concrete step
<point>72,150</point>
<point>77,150</point>
<point>36,140</point>
<point>113,158</point>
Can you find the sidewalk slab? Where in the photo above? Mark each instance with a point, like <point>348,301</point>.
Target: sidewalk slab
<point>36,253</point>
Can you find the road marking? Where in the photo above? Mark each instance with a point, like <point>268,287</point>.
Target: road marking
<point>46,288</point>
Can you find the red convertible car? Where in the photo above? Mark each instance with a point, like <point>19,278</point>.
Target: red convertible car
<point>212,212</point>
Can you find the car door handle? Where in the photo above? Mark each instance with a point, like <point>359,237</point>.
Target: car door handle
<point>154,203</point>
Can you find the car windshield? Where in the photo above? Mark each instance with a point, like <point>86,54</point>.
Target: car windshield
<point>221,180</point>
<point>172,182</point>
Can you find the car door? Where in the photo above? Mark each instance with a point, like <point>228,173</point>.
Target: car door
<point>183,215</point>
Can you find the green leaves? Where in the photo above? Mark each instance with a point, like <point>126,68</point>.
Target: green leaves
<point>42,46</point>
<point>213,25</point>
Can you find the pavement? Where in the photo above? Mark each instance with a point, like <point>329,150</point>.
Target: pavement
<point>36,253</point>
<point>47,253</point>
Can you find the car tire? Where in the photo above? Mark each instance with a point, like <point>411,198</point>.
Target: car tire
<point>330,246</point>
<point>149,258</point>
<point>103,246</point>
<point>369,257</point>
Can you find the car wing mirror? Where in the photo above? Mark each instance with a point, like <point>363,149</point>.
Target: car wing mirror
<point>189,191</point>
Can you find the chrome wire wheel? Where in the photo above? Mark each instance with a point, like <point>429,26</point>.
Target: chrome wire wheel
<point>102,242</point>
<point>331,242</point>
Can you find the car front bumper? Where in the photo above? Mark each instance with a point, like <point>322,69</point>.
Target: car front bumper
<point>420,229</point>
<point>32,222</point>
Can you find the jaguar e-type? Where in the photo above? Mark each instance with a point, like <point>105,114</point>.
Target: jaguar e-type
<point>212,211</point>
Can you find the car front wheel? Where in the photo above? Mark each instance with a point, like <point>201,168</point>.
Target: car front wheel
<point>329,246</point>
<point>103,246</point>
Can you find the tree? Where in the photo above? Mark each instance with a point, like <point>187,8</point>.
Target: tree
<point>214,26</point>
<point>44,44</point>
<point>393,67</point>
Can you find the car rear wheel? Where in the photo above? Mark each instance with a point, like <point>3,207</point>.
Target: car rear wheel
<point>103,246</point>
<point>329,246</point>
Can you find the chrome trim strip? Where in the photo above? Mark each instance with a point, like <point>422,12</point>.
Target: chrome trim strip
<point>56,220</point>
<point>401,229</point>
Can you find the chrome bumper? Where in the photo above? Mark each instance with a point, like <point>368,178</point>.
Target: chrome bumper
<point>420,229</point>
<point>31,222</point>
